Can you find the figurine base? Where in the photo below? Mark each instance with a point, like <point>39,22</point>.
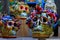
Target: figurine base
<point>23,31</point>
<point>9,37</point>
<point>38,35</point>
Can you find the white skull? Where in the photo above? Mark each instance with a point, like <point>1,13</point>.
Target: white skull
<point>50,5</point>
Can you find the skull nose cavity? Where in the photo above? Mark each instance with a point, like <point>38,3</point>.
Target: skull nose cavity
<point>44,20</point>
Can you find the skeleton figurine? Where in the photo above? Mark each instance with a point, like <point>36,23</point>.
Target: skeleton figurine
<point>50,5</point>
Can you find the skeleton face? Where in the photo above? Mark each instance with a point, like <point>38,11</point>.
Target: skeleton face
<point>24,8</point>
<point>12,24</point>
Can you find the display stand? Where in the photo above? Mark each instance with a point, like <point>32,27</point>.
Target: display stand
<point>38,35</point>
<point>23,31</point>
<point>41,39</point>
<point>6,35</point>
<point>41,35</point>
<point>4,32</point>
<point>9,37</point>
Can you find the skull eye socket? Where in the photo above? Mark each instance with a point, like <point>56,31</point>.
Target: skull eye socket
<point>15,24</point>
<point>26,8</point>
<point>45,19</point>
<point>10,23</point>
<point>21,7</point>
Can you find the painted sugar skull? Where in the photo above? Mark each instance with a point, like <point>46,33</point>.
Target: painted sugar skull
<point>13,27</point>
<point>12,24</point>
<point>50,5</point>
<point>24,9</point>
<point>42,25</point>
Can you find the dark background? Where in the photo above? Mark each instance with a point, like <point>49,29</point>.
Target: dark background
<point>57,2</point>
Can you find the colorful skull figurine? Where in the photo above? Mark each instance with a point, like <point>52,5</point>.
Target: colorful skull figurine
<point>50,5</point>
<point>24,9</point>
<point>40,23</point>
<point>13,25</point>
